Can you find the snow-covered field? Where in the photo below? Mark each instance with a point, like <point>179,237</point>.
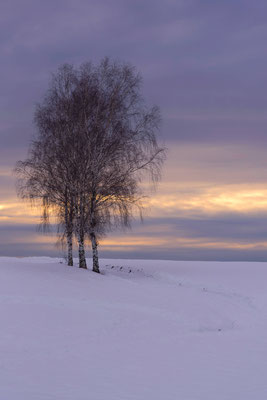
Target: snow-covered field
<point>143,330</point>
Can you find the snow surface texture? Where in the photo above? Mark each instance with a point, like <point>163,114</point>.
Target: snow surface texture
<point>143,330</point>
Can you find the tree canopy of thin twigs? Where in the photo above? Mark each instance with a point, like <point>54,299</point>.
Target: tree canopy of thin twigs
<point>95,141</point>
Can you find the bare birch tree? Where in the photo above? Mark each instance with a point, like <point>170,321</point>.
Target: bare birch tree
<point>96,141</point>
<point>46,175</point>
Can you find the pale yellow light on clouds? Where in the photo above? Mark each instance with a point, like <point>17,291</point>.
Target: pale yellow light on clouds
<point>196,179</point>
<point>211,179</point>
<point>175,201</point>
<point>134,242</point>
<point>219,199</point>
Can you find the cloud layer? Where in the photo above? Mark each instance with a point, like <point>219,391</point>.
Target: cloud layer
<point>204,63</point>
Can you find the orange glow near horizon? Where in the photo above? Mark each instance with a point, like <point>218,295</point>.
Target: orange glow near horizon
<point>222,199</point>
<point>132,243</point>
<point>240,199</point>
<point>190,189</point>
<point>182,243</point>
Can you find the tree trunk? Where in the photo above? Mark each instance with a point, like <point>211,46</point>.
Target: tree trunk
<point>69,243</point>
<point>95,253</point>
<point>82,259</point>
<point>69,227</point>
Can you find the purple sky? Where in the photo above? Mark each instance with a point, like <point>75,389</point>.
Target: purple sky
<point>204,63</point>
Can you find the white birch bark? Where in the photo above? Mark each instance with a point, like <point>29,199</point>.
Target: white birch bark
<point>69,244</point>
<point>82,259</point>
<point>95,253</point>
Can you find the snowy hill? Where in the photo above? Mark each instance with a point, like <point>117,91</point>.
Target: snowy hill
<point>144,330</point>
